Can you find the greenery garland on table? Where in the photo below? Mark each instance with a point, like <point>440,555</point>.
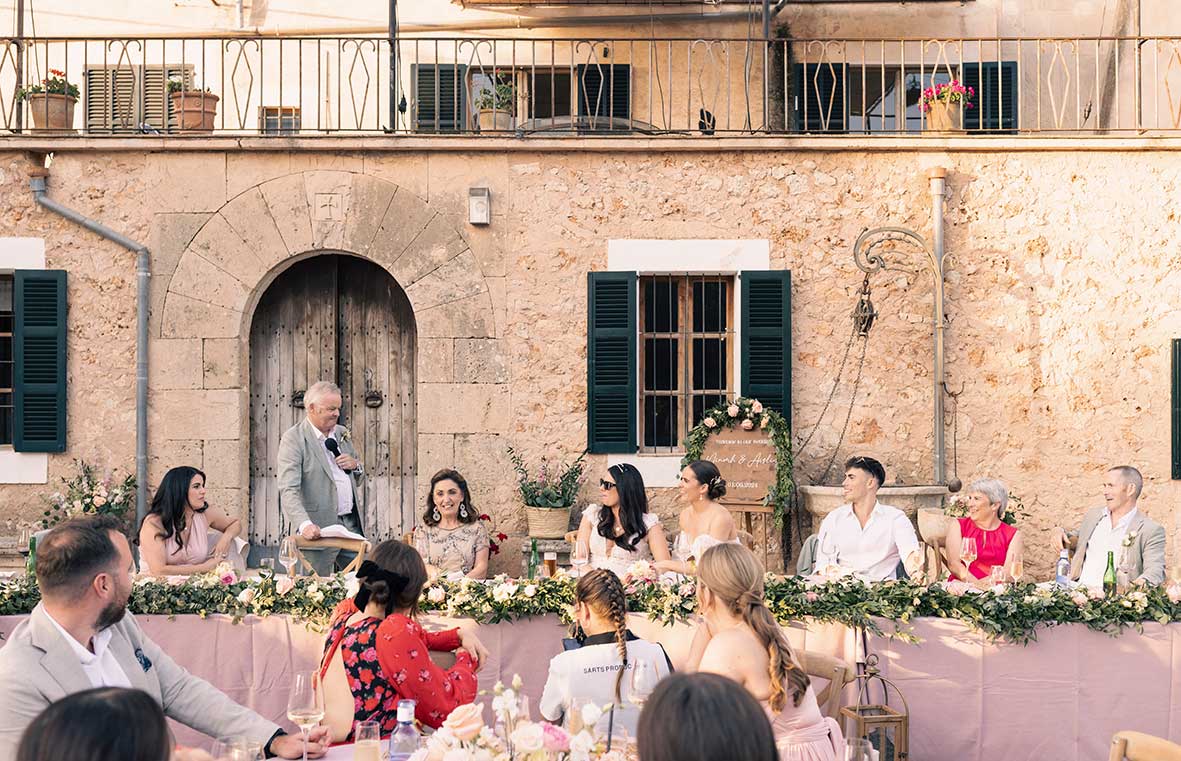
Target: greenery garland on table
<point>749,414</point>
<point>1013,614</point>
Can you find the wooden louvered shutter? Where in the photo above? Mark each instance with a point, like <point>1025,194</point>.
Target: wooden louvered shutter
<point>157,105</point>
<point>440,97</point>
<point>996,97</point>
<point>604,95</point>
<point>111,105</point>
<point>819,96</point>
<point>611,362</point>
<point>39,361</point>
<point>766,339</point>
<point>1177,408</point>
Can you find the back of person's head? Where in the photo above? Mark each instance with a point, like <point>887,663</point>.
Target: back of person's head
<point>734,576</point>
<point>704,717</point>
<point>102,724</point>
<point>171,499</point>
<point>633,506</point>
<point>73,553</point>
<point>707,473</point>
<point>870,466</point>
<point>603,592</point>
<point>393,575</point>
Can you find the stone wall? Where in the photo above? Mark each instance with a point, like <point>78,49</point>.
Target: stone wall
<point>1061,300</point>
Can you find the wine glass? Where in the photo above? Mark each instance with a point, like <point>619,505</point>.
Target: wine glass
<point>830,549</point>
<point>643,682</point>
<point>998,575</point>
<point>23,537</point>
<point>1018,570</point>
<point>968,550</point>
<point>305,704</point>
<point>682,547</point>
<point>858,749</point>
<point>579,556</point>
<point>288,554</point>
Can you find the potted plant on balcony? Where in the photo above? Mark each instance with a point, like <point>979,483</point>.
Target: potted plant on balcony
<point>51,102</point>
<point>495,104</point>
<point>549,494</point>
<point>944,105</point>
<point>196,110</point>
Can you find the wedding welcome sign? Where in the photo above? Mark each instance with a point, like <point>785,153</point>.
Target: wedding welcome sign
<point>747,461</point>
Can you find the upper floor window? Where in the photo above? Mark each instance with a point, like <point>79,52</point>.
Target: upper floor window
<point>6,365</point>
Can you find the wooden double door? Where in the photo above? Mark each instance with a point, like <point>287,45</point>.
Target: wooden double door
<point>344,319</point>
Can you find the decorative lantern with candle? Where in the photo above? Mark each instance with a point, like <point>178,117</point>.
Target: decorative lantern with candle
<point>885,726</point>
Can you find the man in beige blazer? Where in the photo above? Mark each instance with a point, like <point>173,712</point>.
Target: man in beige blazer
<point>317,486</point>
<point>1136,541</point>
<point>80,636</point>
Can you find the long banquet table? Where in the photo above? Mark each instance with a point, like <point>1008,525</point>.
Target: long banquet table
<point>1058,699</point>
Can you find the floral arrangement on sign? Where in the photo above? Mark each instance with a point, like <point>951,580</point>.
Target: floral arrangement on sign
<point>957,507</point>
<point>947,92</point>
<point>89,494</point>
<point>550,487</point>
<point>55,84</point>
<point>749,414</point>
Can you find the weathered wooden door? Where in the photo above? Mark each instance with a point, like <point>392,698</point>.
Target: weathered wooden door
<point>344,319</point>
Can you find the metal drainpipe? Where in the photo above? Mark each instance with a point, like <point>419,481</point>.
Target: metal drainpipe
<point>938,178</point>
<point>37,183</point>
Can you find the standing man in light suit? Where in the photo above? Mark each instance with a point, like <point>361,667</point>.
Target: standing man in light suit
<point>317,486</point>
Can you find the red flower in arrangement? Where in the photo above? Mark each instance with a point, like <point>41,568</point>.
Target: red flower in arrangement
<point>495,539</point>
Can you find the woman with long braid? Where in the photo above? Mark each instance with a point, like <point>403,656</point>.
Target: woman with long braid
<point>741,639</point>
<point>595,671</point>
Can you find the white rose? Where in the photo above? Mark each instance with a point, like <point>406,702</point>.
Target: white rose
<point>530,590</point>
<point>246,596</point>
<point>457,754</point>
<point>504,592</point>
<point>436,595</point>
<point>528,738</point>
<point>591,714</point>
<point>581,745</point>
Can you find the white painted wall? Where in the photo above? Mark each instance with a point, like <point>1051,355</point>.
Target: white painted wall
<point>22,467</point>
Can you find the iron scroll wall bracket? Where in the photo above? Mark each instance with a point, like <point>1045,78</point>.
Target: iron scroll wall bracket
<point>869,253</point>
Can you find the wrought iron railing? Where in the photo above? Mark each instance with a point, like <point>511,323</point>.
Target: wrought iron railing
<point>309,86</point>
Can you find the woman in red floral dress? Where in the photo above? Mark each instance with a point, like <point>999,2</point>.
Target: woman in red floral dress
<point>377,654</point>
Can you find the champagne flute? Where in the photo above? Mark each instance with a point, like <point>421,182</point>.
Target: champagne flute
<point>858,749</point>
<point>643,682</point>
<point>682,548</point>
<point>968,550</point>
<point>288,554</point>
<point>1018,570</point>
<point>579,556</point>
<point>305,704</point>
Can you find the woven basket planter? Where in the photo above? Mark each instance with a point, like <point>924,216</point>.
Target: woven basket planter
<point>547,522</point>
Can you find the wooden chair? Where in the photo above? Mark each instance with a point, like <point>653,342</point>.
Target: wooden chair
<point>359,546</point>
<point>837,672</point>
<point>1137,746</point>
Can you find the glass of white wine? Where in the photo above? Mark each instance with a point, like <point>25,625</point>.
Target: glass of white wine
<point>579,557</point>
<point>643,682</point>
<point>968,550</point>
<point>367,741</point>
<point>1017,570</point>
<point>858,749</point>
<point>305,704</point>
<point>288,554</point>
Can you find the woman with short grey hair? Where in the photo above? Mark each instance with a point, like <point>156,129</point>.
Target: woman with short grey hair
<point>981,540</point>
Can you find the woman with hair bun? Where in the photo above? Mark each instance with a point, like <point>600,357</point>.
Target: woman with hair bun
<point>377,653</point>
<point>704,522</point>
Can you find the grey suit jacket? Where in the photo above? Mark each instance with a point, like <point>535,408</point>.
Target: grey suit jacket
<point>307,491</point>
<point>1145,555</point>
<point>38,667</point>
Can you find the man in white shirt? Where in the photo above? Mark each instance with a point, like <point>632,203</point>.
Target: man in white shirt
<point>864,535</point>
<point>317,486</point>
<point>80,636</point>
<point>1137,543</point>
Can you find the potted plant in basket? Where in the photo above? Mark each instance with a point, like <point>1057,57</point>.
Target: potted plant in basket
<point>944,103</point>
<point>196,110</point>
<point>495,104</point>
<point>548,495</point>
<point>51,102</point>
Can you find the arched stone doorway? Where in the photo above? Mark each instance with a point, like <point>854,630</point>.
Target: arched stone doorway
<point>341,318</point>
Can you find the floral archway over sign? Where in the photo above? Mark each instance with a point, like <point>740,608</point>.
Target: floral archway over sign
<point>749,415</point>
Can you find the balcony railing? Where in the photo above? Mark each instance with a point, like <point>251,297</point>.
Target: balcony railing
<point>312,86</point>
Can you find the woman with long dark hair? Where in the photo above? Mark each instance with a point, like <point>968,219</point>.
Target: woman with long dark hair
<point>98,725</point>
<point>619,530</point>
<point>174,535</point>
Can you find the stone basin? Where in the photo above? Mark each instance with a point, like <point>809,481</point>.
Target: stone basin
<point>822,500</point>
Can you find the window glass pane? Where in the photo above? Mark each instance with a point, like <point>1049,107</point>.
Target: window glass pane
<point>5,374</point>
<point>709,306</point>
<point>661,310</point>
<point>703,403</point>
<point>660,364</point>
<point>660,421</point>
<point>5,418</point>
<point>549,93</point>
<point>872,99</point>
<point>709,363</point>
<point>6,293</point>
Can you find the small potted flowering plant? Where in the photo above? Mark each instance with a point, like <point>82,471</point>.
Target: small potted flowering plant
<point>548,494</point>
<point>51,102</point>
<point>943,103</point>
<point>495,104</point>
<point>196,110</point>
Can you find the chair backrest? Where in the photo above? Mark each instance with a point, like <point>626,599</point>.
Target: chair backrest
<point>837,672</point>
<point>359,546</point>
<point>806,563</point>
<point>1137,746</point>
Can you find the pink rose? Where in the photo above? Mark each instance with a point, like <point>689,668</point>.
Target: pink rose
<point>228,578</point>
<point>732,410</point>
<point>748,424</point>
<point>465,722</point>
<point>757,407</point>
<point>957,588</point>
<point>811,596</point>
<point>176,581</point>
<point>554,738</point>
<point>1174,593</point>
<point>764,423</point>
<point>1079,599</point>
<point>284,585</point>
<point>709,423</point>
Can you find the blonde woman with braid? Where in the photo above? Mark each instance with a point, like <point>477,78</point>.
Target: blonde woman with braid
<point>740,639</point>
<point>596,671</point>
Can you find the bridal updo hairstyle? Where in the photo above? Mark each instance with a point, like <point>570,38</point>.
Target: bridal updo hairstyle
<point>707,473</point>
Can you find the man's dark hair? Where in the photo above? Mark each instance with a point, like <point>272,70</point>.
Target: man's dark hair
<point>870,466</point>
<point>71,555</point>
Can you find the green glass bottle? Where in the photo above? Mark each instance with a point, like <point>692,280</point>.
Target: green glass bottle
<point>534,559</point>
<point>31,561</point>
<point>1109,579</point>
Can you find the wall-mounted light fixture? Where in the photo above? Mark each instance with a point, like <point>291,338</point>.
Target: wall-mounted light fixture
<point>479,206</point>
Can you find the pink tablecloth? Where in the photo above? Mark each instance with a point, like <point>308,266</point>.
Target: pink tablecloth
<point>1058,699</point>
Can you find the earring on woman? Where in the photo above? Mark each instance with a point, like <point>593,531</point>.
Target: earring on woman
<point>436,516</point>
<point>463,511</point>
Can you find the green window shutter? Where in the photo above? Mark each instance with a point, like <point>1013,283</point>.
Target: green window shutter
<point>820,97</point>
<point>39,354</point>
<point>1177,408</point>
<point>996,97</point>
<point>766,339</point>
<point>611,362</point>
<point>440,97</point>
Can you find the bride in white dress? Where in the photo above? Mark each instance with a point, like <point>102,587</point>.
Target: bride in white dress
<point>620,530</point>
<point>704,522</point>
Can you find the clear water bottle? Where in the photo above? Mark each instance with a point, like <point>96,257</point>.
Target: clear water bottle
<point>404,740</point>
<point>1062,575</point>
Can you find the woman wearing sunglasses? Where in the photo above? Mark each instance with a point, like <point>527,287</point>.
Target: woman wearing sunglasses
<point>620,530</point>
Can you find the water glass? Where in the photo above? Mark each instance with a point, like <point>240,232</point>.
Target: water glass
<point>1018,570</point>
<point>998,575</point>
<point>266,567</point>
<point>858,749</point>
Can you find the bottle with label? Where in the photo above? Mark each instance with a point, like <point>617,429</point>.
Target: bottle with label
<point>1109,577</point>
<point>31,561</point>
<point>534,559</point>
<point>1062,577</point>
<point>404,740</point>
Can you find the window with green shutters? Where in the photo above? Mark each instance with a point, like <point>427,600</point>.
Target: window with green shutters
<point>39,361</point>
<point>6,317</point>
<point>766,339</point>
<point>611,362</point>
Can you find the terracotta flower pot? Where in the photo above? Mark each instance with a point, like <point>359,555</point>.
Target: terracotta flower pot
<point>495,120</point>
<point>52,111</point>
<point>196,111</point>
<point>944,117</point>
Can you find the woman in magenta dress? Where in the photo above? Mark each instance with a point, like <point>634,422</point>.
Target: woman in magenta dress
<point>996,542</point>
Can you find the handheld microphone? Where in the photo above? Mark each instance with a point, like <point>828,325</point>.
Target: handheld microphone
<point>334,448</point>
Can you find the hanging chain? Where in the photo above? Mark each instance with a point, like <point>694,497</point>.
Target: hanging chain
<point>836,382</point>
<point>849,413</point>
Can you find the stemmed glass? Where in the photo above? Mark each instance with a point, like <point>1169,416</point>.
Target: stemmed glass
<point>579,557</point>
<point>288,554</point>
<point>1017,570</point>
<point>968,550</point>
<point>305,704</point>
<point>643,682</point>
<point>830,549</point>
<point>682,547</point>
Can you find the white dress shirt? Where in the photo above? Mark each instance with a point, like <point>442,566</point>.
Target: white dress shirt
<point>100,666</point>
<point>344,483</point>
<point>873,551</point>
<point>1105,538</point>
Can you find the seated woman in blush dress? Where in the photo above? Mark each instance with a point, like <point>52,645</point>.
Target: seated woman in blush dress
<point>994,541</point>
<point>620,530</point>
<point>174,535</point>
<point>377,653</point>
<point>452,538</point>
<point>704,522</point>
